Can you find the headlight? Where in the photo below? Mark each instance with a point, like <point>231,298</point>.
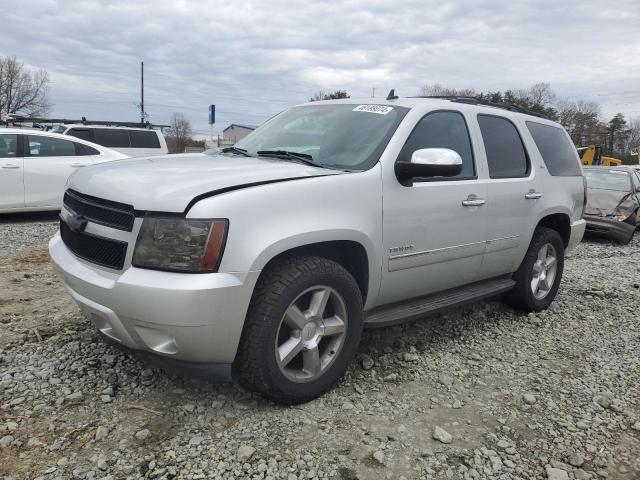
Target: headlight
<point>180,244</point>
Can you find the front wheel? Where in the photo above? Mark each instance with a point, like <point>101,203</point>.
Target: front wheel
<point>539,275</point>
<point>302,330</point>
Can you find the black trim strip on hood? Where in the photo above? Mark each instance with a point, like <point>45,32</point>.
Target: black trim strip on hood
<point>212,193</point>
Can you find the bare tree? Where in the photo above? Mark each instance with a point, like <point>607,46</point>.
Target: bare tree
<point>437,90</point>
<point>22,90</point>
<point>582,121</point>
<point>537,94</point>
<point>179,133</point>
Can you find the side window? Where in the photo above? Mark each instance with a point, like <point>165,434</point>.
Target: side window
<point>558,153</point>
<point>82,133</point>
<point>636,180</point>
<point>40,146</point>
<point>82,149</point>
<point>111,137</point>
<point>443,129</point>
<point>141,139</point>
<point>8,146</point>
<point>506,155</point>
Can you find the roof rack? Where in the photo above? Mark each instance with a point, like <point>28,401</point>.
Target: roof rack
<point>481,101</point>
<point>83,121</point>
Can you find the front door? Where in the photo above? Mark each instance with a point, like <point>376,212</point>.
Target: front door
<point>11,172</point>
<point>434,231</point>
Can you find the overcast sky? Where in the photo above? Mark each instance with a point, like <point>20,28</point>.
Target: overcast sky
<point>255,58</point>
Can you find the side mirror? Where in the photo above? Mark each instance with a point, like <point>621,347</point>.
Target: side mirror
<point>430,162</point>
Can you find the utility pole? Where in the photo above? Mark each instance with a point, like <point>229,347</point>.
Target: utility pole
<point>373,92</point>
<point>142,92</point>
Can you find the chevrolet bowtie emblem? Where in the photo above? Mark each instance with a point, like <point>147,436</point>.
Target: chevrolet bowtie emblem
<point>77,223</point>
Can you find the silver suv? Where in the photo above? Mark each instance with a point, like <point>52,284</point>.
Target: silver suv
<point>266,260</point>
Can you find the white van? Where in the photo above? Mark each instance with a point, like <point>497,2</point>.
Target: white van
<point>133,142</point>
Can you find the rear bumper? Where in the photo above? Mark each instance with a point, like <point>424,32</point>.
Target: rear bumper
<point>194,318</point>
<point>618,231</point>
<point>576,234</point>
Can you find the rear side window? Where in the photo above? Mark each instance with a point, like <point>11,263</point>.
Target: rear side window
<point>141,139</point>
<point>557,152</point>
<point>111,137</point>
<point>443,129</point>
<point>8,146</point>
<point>82,133</point>
<point>506,155</point>
<point>49,147</point>
<point>82,149</point>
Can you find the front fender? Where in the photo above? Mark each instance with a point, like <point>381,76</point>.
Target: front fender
<point>267,220</point>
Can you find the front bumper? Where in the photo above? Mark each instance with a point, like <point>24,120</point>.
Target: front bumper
<point>614,229</point>
<point>177,316</point>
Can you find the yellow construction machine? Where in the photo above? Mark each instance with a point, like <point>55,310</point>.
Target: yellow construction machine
<point>592,155</point>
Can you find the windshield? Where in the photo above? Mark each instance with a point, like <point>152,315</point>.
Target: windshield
<point>350,137</point>
<point>608,180</point>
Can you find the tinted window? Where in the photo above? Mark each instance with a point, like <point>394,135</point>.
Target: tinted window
<point>82,133</point>
<point>111,137</point>
<point>558,153</point>
<point>140,139</point>
<point>8,146</point>
<point>442,130</point>
<point>49,147</point>
<point>82,149</point>
<point>505,152</point>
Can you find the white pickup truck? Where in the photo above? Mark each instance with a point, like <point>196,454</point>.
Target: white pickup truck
<point>266,260</point>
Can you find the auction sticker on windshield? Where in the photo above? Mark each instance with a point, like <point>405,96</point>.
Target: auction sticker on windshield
<point>381,109</point>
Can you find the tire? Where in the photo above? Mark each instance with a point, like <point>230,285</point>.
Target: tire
<point>523,296</point>
<point>262,363</point>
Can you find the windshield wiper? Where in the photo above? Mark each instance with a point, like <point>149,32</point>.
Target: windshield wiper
<point>239,151</point>
<point>302,157</point>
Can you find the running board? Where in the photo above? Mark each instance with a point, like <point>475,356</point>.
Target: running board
<point>415,309</point>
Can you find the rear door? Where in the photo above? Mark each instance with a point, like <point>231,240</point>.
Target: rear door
<point>11,172</point>
<point>47,164</point>
<point>514,192</point>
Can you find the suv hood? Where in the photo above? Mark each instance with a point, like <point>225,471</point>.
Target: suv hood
<point>169,183</point>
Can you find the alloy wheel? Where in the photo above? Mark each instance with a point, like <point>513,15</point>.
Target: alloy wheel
<point>311,333</point>
<point>544,271</point>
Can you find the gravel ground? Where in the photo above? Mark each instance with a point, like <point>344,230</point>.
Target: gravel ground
<point>26,230</point>
<point>481,392</point>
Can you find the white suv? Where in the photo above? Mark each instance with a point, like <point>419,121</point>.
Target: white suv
<point>267,259</point>
<point>133,142</point>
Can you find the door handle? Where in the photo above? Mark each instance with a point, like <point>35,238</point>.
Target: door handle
<point>78,165</point>
<point>473,201</point>
<point>532,195</point>
<point>10,166</point>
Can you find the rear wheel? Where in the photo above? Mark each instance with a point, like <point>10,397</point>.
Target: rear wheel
<point>302,330</point>
<point>539,275</point>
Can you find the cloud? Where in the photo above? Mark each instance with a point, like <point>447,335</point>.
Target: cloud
<point>255,58</point>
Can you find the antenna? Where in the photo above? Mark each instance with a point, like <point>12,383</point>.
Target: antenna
<point>392,95</point>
